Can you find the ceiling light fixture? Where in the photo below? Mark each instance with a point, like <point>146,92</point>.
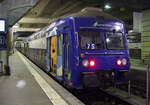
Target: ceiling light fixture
<point>107,6</point>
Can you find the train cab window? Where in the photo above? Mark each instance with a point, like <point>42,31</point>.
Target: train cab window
<point>114,41</point>
<point>90,39</point>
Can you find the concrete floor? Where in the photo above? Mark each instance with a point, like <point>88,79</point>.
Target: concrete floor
<point>21,88</point>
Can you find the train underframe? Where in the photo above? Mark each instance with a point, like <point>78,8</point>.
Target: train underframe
<point>104,78</point>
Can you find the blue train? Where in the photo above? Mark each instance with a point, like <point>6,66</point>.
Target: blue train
<point>86,49</point>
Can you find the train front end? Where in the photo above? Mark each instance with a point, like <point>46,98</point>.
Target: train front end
<point>102,57</point>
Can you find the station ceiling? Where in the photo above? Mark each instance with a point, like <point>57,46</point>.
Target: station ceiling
<point>46,10</point>
<point>1,0</point>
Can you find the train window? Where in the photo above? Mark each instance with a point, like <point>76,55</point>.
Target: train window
<point>114,41</point>
<point>90,39</point>
<point>48,44</point>
<point>59,45</point>
<point>65,39</point>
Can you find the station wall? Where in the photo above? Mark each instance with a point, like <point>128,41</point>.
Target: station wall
<point>145,37</point>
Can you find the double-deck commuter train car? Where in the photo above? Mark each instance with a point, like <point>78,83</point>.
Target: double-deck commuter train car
<point>86,49</point>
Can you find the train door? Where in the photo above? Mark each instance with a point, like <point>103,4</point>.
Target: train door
<point>65,57</point>
<point>59,54</point>
<point>53,55</point>
<point>48,55</point>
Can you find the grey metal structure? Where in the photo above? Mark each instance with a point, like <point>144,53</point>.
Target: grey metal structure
<point>147,85</point>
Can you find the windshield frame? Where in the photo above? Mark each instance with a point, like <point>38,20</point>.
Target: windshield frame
<point>101,37</point>
<point>106,44</point>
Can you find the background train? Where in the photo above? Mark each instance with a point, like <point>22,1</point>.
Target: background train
<point>85,49</point>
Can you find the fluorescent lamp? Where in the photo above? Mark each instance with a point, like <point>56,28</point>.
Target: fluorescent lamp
<point>2,25</point>
<point>117,28</point>
<point>107,6</point>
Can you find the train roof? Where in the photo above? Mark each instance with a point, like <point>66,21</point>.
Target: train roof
<point>94,13</point>
<point>88,12</point>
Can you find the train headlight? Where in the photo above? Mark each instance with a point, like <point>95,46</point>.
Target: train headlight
<point>124,61</point>
<point>85,63</point>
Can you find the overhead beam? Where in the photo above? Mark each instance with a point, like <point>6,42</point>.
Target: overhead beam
<point>34,20</point>
<point>25,29</point>
<point>13,10</point>
<point>68,8</point>
<point>37,10</point>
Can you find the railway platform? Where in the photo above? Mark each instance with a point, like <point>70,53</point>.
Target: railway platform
<point>28,85</point>
<point>137,64</point>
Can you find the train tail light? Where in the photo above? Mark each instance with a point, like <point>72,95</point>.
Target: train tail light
<point>119,62</point>
<point>92,63</point>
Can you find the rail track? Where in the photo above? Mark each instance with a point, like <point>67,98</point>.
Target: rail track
<point>96,96</point>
